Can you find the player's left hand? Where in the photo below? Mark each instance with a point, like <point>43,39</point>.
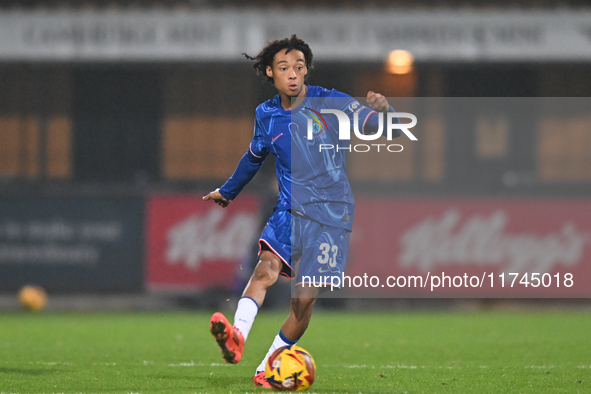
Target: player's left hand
<point>377,102</point>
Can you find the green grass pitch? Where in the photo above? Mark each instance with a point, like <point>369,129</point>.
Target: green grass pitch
<point>378,352</point>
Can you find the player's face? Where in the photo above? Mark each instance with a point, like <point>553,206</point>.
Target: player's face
<point>288,72</point>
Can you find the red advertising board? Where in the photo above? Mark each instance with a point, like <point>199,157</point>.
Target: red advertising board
<point>471,247</point>
<point>194,244</point>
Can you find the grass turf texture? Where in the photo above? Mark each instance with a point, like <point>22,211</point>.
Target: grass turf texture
<point>385,352</point>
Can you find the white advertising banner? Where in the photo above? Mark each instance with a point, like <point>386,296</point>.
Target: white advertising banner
<point>352,35</point>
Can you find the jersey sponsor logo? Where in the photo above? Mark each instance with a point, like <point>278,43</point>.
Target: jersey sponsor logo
<point>354,107</point>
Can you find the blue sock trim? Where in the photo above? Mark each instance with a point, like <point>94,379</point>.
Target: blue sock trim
<point>288,341</point>
<point>253,301</point>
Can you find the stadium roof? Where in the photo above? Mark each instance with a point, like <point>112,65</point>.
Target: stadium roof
<point>193,4</point>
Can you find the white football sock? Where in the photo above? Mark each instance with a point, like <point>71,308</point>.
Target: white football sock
<point>280,341</point>
<point>245,313</point>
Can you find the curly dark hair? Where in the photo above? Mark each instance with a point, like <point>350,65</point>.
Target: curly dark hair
<point>265,57</point>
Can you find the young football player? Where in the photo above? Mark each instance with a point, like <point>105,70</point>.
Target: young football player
<point>314,213</point>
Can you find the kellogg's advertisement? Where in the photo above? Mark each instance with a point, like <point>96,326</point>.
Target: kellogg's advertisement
<point>194,244</point>
<point>470,248</point>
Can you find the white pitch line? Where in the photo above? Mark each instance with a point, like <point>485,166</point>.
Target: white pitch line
<point>189,364</point>
<point>409,366</point>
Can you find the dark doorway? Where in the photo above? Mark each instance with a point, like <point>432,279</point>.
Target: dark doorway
<point>469,164</point>
<point>117,117</point>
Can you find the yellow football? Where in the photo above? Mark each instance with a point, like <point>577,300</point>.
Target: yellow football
<point>290,368</point>
<point>33,298</point>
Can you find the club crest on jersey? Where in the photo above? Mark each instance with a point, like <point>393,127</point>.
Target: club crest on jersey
<point>318,124</point>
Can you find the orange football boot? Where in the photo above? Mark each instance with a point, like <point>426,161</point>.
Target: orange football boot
<point>260,380</point>
<point>229,339</point>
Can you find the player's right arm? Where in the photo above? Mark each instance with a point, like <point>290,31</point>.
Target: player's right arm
<point>247,168</point>
<point>217,197</point>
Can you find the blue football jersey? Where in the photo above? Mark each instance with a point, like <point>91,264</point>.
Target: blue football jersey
<point>312,181</point>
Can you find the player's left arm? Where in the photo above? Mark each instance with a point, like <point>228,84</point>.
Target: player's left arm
<point>378,102</point>
<point>366,118</point>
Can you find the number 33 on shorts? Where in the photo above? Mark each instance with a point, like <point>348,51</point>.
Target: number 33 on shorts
<point>328,254</point>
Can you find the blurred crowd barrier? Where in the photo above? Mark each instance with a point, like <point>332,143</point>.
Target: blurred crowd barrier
<point>180,243</point>
<point>72,244</point>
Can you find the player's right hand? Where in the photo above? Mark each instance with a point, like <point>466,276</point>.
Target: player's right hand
<point>217,197</point>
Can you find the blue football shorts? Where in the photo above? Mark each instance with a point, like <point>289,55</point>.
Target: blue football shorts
<point>311,252</point>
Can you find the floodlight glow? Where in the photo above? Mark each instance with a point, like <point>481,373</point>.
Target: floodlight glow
<point>399,62</point>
